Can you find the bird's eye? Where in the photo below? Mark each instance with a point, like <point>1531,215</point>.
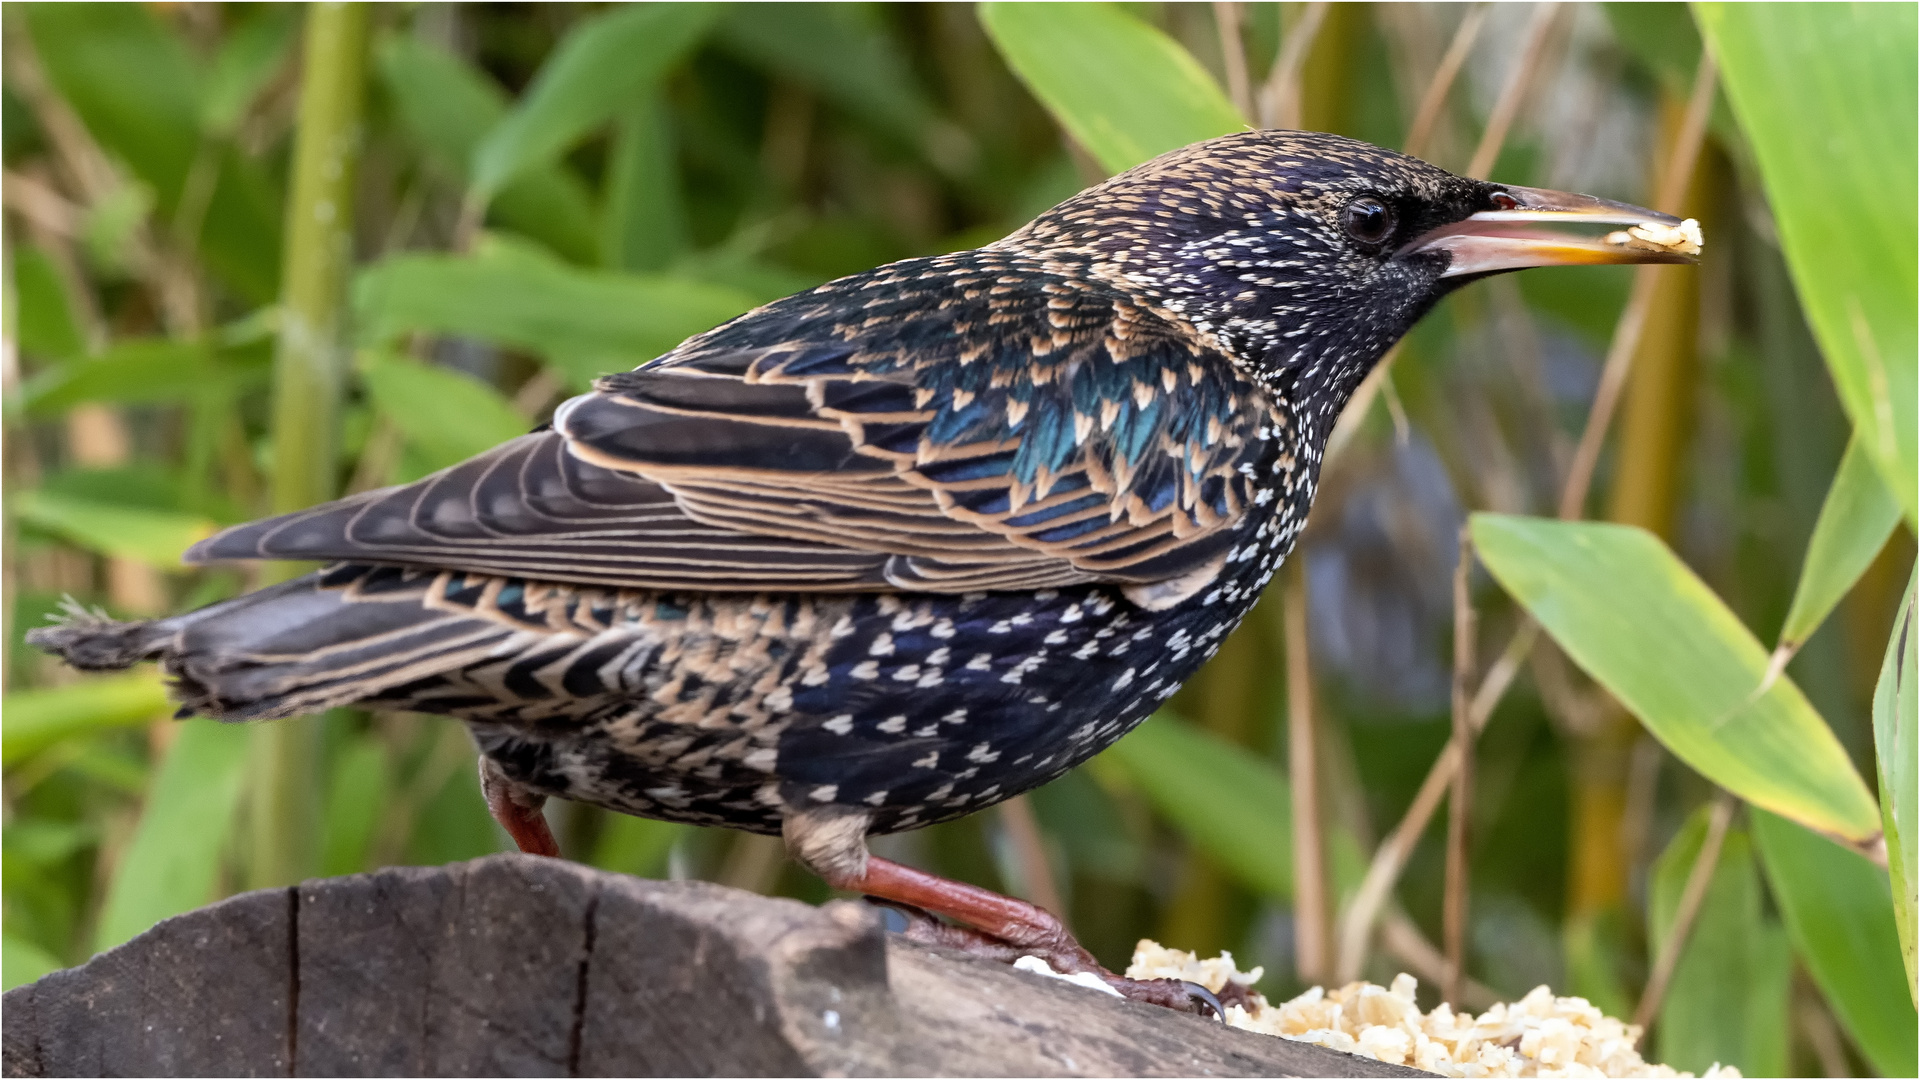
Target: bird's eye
<point>1368,220</point>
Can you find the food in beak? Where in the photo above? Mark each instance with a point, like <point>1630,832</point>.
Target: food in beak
<point>1683,239</point>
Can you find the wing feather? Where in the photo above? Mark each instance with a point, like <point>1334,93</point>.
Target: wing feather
<point>990,427</point>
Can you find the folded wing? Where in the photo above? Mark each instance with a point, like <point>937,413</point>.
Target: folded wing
<point>954,424</point>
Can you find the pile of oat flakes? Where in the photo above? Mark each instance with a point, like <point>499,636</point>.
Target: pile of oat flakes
<point>1539,1035</point>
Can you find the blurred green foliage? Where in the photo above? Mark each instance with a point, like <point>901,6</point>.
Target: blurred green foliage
<point>549,192</point>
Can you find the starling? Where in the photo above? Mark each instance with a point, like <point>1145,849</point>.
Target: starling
<point>894,549</point>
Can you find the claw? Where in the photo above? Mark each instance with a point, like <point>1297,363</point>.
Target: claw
<point>1201,996</point>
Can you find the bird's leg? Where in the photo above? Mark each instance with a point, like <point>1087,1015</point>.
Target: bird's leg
<point>517,808</point>
<point>1002,928</point>
<point>832,843</point>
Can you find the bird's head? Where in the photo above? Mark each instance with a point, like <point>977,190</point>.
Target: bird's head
<point>1306,255</point>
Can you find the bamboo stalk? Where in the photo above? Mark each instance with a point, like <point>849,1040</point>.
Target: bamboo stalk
<point>1391,856</point>
<point>1699,877</point>
<point>1676,177</point>
<point>1401,939</point>
<point>1280,98</point>
<point>753,863</point>
<point>1233,56</point>
<point>1224,697</point>
<point>1514,94</point>
<point>1454,914</point>
<point>1817,1025</point>
<point>310,363</point>
<point>1435,98</point>
<point>1030,855</point>
<point>1312,900</point>
<point>309,372</point>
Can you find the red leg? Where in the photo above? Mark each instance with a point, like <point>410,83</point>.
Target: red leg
<point>1005,929</point>
<point>832,842</point>
<point>1017,923</point>
<point>517,810</point>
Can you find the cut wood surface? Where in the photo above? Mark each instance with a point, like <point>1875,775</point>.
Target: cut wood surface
<point>518,966</point>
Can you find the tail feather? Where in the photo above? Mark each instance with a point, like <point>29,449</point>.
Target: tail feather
<point>92,641</point>
<point>309,644</point>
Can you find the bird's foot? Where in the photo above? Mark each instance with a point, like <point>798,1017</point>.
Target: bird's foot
<point>1047,940</point>
<point>934,910</point>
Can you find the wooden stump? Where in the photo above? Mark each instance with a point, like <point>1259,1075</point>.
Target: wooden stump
<point>519,966</point>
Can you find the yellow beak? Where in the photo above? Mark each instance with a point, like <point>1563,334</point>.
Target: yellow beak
<point>1510,237</point>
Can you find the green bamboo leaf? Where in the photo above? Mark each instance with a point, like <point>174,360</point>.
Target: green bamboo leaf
<point>46,842</point>
<point>133,82</point>
<point>240,234</point>
<point>447,415</point>
<point>1727,1002</point>
<point>448,105</point>
<point>22,962</point>
<point>1855,521</point>
<point>144,371</point>
<point>602,64</point>
<point>587,322</point>
<point>147,486</point>
<point>141,93</point>
<point>845,53</point>
<point>1895,750</point>
<point>1226,800</point>
<point>37,719</point>
<point>42,315</point>
<point>1840,913</point>
<point>1663,37</point>
<point>445,103</point>
<point>646,212</point>
<point>173,862</point>
<point>1641,624</point>
<point>250,55</point>
<point>1124,90</point>
<point>155,537</point>
<point>1843,183</point>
